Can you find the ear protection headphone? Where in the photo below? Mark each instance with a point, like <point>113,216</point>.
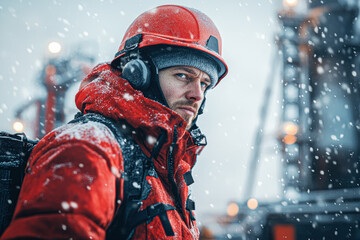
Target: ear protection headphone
<point>142,74</point>
<point>134,67</point>
<point>137,73</point>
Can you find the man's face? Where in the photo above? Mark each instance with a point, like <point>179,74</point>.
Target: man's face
<point>184,88</point>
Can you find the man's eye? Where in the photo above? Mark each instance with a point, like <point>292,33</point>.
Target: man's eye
<point>181,75</point>
<point>204,85</point>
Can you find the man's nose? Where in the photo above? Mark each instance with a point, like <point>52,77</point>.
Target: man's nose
<point>195,92</point>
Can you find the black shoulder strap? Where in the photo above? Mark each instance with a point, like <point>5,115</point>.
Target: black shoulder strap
<point>136,188</point>
<point>14,153</point>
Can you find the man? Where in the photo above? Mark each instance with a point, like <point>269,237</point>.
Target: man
<point>154,89</point>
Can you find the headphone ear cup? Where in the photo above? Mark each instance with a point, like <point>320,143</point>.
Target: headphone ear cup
<point>137,73</point>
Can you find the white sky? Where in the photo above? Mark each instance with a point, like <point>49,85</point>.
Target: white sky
<point>232,111</point>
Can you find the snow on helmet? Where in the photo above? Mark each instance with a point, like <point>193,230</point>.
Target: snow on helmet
<point>176,26</point>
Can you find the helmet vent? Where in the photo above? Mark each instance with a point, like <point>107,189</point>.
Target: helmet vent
<point>213,44</point>
<point>133,42</point>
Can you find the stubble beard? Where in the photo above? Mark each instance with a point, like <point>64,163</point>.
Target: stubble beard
<point>188,119</point>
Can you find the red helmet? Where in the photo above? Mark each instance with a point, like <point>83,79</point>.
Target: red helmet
<point>176,26</point>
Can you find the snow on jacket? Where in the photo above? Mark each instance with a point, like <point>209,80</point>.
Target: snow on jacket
<point>70,189</point>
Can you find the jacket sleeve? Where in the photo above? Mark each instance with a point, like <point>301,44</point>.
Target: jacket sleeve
<point>71,186</point>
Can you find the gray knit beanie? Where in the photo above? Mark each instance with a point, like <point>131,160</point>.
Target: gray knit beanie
<point>170,57</point>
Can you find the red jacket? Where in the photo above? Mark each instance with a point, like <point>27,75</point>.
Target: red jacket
<point>75,171</point>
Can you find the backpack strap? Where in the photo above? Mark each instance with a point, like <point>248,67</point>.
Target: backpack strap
<point>14,153</point>
<point>136,188</point>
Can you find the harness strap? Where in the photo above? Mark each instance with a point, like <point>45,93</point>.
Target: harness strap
<point>188,178</point>
<point>158,209</point>
<point>190,206</point>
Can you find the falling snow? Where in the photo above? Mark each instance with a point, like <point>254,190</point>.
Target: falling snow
<point>320,98</point>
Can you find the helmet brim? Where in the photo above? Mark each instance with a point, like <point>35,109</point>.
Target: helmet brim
<point>151,40</point>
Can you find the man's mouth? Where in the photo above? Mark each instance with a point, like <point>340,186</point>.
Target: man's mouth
<point>187,110</point>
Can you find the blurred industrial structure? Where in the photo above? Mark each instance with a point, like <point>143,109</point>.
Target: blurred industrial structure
<point>319,132</point>
<point>57,75</point>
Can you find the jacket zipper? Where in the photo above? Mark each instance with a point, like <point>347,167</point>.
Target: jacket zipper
<point>174,187</point>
